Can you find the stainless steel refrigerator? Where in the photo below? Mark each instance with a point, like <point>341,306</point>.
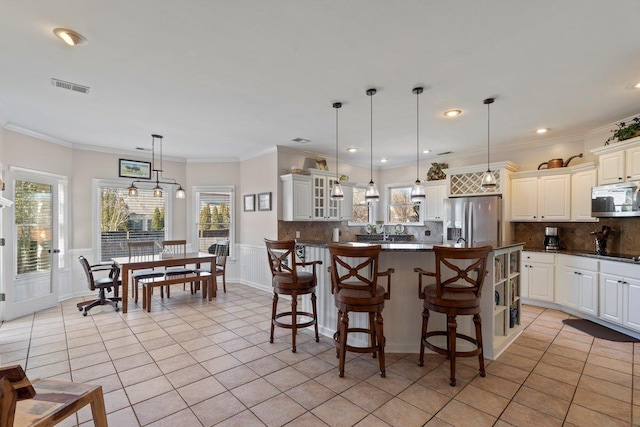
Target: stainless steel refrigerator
<point>473,220</point>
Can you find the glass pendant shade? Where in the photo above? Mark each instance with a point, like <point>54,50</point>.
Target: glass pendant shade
<point>417,192</point>
<point>133,190</point>
<point>157,191</point>
<point>488,180</point>
<point>336,192</point>
<point>180,193</point>
<point>371,194</point>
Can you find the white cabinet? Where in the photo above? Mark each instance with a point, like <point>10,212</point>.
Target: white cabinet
<point>544,198</point>
<point>611,290</point>
<point>323,208</point>
<point>538,276</point>
<point>581,183</point>
<point>620,166</point>
<point>296,197</point>
<point>621,288</point>
<point>435,195</point>
<point>577,283</point>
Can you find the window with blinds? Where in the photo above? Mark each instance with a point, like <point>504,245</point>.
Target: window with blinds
<point>33,226</point>
<point>215,217</point>
<point>124,218</point>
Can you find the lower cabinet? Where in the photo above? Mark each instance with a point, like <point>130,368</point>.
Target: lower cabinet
<point>538,276</point>
<point>620,293</point>
<point>577,281</point>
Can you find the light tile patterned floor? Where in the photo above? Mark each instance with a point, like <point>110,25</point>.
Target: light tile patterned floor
<point>193,363</point>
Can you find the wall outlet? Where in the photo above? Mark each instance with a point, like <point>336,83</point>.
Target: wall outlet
<point>427,232</point>
<point>297,234</point>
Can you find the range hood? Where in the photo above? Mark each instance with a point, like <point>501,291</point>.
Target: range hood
<point>5,203</point>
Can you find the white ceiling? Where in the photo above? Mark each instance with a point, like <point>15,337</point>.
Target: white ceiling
<point>230,79</point>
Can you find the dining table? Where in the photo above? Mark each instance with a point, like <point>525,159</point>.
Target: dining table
<point>128,265</point>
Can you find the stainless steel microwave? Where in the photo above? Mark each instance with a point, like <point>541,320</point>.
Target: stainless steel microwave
<point>615,200</point>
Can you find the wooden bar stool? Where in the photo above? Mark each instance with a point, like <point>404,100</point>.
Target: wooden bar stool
<point>459,276</point>
<point>354,284</point>
<point>288,280</point>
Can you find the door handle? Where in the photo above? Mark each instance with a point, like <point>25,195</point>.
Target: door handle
<point>54,251</point>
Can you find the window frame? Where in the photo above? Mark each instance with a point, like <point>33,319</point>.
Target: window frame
<point>195,216</point>
<point>371,210</point>
<point>387,206</point>
<point>96,209</point>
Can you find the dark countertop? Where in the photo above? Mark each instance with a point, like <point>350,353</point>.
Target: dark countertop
<point>628,258</point>
<point>405,246</point>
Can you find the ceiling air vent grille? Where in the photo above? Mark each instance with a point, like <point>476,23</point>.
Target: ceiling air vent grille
<point>70,86</point>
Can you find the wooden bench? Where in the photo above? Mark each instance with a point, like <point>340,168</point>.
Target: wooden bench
<point>45,403</point>
<point>209,285</point>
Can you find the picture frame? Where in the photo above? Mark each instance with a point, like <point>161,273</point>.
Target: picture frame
<point>264,201</point>
<point>134,169</point>
<point>249,202</point>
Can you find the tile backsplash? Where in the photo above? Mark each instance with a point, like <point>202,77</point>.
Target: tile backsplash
<point>576,235</point>
<point>322,231</point>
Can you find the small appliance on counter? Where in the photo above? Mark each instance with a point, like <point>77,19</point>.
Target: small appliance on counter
<point>551,238</point>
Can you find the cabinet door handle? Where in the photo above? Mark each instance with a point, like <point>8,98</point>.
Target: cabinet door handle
<point>619,178</point>
<point>628,176</point>
<point>534,217</point>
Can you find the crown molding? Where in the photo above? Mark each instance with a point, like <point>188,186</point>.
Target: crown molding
<point>39,135</point>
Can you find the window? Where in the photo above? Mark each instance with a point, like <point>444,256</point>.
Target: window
<point>124,218</point>
<point>361,211</point>
<point>33,226</point>
<point>401,209</point>
<point>214,207</point>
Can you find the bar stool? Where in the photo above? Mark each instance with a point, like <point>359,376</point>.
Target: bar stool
<point>354,284</point>
<point>288,280</point>
<point>459,275</point>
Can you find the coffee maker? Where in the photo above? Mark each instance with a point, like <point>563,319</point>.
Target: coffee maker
<point>551,238</point>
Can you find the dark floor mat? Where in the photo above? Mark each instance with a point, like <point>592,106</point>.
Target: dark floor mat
<point>598,331</point>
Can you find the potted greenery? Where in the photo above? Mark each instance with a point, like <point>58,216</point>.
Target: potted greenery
<point>625,130</point>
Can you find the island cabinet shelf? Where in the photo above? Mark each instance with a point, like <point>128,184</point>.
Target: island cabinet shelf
<point>403,312</point>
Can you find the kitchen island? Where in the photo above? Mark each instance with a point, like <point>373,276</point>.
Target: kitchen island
<point>403,312</point>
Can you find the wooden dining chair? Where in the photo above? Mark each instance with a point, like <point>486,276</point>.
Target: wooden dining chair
<point>177,249</point>
<point>141,251</point>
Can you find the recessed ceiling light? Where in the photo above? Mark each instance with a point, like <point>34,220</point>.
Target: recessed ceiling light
<point>426,151</point>
<point>352,149</point>
<point>542,130</point>
<point>636,86</point>
<point>452,113</point>
<point>384,160</point>
<point>70,37</point>
<point>301,140</point>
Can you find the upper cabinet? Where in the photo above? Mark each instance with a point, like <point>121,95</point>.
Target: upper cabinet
<point>545,198</point>
<point>435,195</point>
<point>308,198</point>
<point>619,162</point>
<point>550,195</point>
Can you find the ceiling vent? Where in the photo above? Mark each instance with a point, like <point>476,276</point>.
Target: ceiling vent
<point>70,86</point>
<point>301,140</point>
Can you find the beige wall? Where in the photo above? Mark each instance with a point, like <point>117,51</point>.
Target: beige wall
<point>259,175</point>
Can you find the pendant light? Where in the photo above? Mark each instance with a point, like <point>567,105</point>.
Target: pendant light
<point>417,192</point>
<point>336,190</point>
<point>157,190</point>
<point>488,178</point>
<point>371,194</point>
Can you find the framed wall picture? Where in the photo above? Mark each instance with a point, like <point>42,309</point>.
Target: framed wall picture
<point>264,201</point>
<point>134,169</point>
<point>249,202</point>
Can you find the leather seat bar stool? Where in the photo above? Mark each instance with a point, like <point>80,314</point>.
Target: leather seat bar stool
<point>288,279</point>
<point>459,276</point>
<point>355,288</point>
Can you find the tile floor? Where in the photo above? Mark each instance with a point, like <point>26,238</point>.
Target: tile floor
<point>193,363</point>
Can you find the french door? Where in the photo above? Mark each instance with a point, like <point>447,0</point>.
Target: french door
<point>35,225</point>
